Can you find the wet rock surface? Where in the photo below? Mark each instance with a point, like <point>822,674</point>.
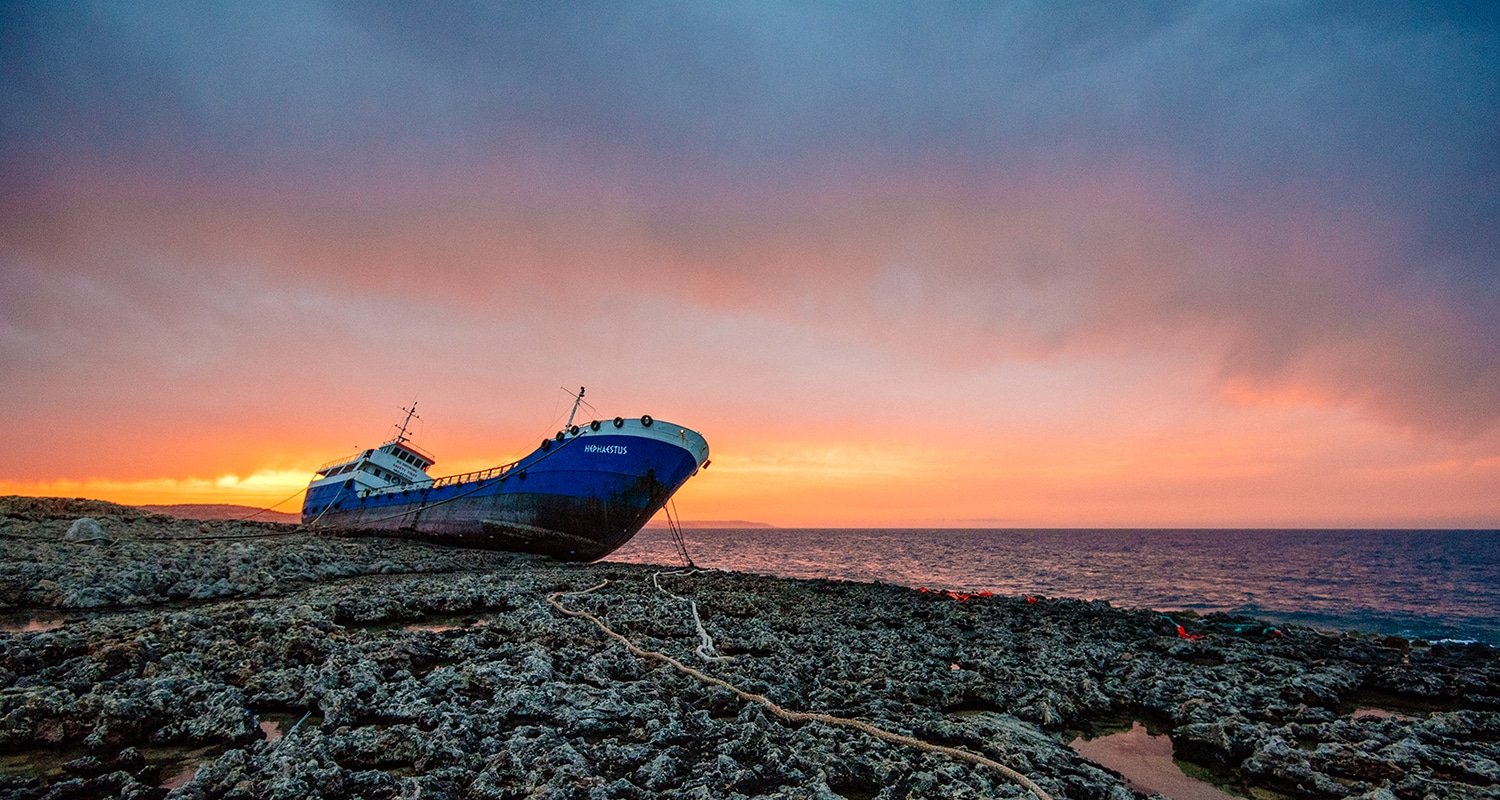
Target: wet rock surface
<point>394,669</point>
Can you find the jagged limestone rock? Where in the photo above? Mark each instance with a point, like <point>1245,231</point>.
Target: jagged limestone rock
<point>87,529</point>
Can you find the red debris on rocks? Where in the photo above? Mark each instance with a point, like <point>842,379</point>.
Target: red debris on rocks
<point>1183,634</point>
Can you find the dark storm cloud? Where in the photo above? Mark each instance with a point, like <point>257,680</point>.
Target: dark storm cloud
<point>1354,97</point>
<point>1386,100</point>
<point>1390,107</point>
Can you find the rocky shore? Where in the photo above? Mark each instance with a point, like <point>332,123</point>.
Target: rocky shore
<point>258,660</point>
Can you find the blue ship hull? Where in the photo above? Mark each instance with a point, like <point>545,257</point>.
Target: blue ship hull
<point>576,498</point>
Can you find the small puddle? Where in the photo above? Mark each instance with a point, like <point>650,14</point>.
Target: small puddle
<point>442,624</point>
<point>180,764</point>
<point>31,621</point>
<point>1380,713</point>
<point>1373,704</point>
<point>435,622</point>
<point>43,764</point>
<point>1146,763</point>
<point>275,725</point>
<point>177,764</point>
<point>179,779</point>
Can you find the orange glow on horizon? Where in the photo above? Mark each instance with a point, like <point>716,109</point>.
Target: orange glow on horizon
<point>1137,457</point>
<point>1224,481</point>
<point>260,490</point>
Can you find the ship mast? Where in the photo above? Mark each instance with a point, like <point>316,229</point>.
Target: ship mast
<point>576,402</point>
<point>410,413</point>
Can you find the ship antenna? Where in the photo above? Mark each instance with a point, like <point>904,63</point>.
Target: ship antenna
<point>410,413</point>
<point>576,401</point>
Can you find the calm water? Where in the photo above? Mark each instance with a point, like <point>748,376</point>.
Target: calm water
<point>1421,584</point>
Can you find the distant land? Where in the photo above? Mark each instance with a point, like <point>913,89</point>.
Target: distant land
<point>710,523</point>
<point>211,511</point>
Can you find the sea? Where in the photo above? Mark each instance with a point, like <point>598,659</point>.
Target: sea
<point>1436,585</point>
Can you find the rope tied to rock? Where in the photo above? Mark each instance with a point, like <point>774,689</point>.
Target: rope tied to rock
<point>797,716</point>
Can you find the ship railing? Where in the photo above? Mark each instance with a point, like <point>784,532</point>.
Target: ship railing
<point>338,461</point>
<point>466,477</point>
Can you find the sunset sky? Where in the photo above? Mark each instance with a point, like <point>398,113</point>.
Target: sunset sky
<point>918,264</point>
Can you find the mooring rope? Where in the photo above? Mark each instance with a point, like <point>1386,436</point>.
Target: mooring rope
<point>798,716</point>
<point>705,649</point>
<point>268,508</point>
<point>336,496</point>
<point>670,507</point>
